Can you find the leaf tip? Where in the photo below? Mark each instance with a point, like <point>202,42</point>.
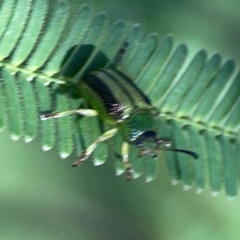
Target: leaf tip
<point>214,194</point>
<point>15,137</point>
<point>119,172</point>
<point>230,198</point>
<point>64,155</point>
<point>149,179</point>
<point>28,139</point>
<point>136,175</point>
<point>186,187</point>
<point>97,162</point>
<point>174,182</point>
<point>199,190</point>
<point>46,148</point>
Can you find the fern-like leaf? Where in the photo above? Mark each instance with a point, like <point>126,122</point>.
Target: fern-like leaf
<point>42,49</point>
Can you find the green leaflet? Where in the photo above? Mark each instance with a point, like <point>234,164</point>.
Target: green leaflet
<point>199,167</point>
<point>96,28</point>
<point>50,37</point>
<point>134,38</point>
<point>199,104</point>
<point>210,97</point>
<point>150,168</point>
<point>137,163</point>
<point>143,54</point>
<point>113,41</point>
<point>2,105</point>
<point>6,12</point>
<point>115,38</point>
<point>231,121</point>
<point>229,163</point>
<point>149,76</point>
<point>168,74</point>
<point>116,145</point>
<point>225,103</point>
<point>204,78</point>
<point>94,130</point>
<point>71,36</point>
<point>214,162</point>
<point>185,162</point>
<point>63,125</point>
<point>165,131</point>
<point>15,27</point>
<point>184,83</point>
<point>13,107</point>
<point>44,102</point>
<point>29,108</point>
<point>30,36</point>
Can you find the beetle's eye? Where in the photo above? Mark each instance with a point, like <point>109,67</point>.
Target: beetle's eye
<point>149,134</point>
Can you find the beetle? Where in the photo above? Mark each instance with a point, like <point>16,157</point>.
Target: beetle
<point>118,102</point>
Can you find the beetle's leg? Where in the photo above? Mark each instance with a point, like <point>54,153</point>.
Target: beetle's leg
<point>128,167</point>
<point>164,143</point>
<point>117,60</point>
<point>84,112</point>
<point>120,53</point>
<point>91,148</point>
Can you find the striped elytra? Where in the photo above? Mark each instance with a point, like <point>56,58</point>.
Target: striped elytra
<point>112,94</point>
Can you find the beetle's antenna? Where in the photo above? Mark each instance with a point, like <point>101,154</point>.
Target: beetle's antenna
<point>117,60</point>
<point>121,52</point>
<point>193,154</point>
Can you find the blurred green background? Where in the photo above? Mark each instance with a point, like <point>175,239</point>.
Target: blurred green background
<point>42,197</point>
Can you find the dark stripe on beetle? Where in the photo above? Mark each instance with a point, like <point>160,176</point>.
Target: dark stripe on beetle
<point>122,87</point>
<point>111,103</point>
<point>146,99</point>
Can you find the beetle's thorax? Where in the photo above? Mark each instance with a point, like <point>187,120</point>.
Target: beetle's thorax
<point>137,124</point>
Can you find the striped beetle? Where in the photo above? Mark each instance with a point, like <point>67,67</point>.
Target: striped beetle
<point>120,103</point>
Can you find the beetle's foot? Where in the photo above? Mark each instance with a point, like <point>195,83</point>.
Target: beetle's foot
<point>167,143</point>
<point>129,173</point>
<point>48,115</point>
<point>82,158</point>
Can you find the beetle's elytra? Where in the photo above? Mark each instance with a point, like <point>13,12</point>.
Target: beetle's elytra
<point>120,103</point>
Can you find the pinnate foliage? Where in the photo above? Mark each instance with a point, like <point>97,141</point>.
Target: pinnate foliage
<point>44,47</point>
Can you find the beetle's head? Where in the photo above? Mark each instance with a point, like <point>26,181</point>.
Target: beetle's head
<point>149,144</point>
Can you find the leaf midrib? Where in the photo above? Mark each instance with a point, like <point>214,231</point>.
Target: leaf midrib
<point>30,75</point>
<point>200,126</point>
